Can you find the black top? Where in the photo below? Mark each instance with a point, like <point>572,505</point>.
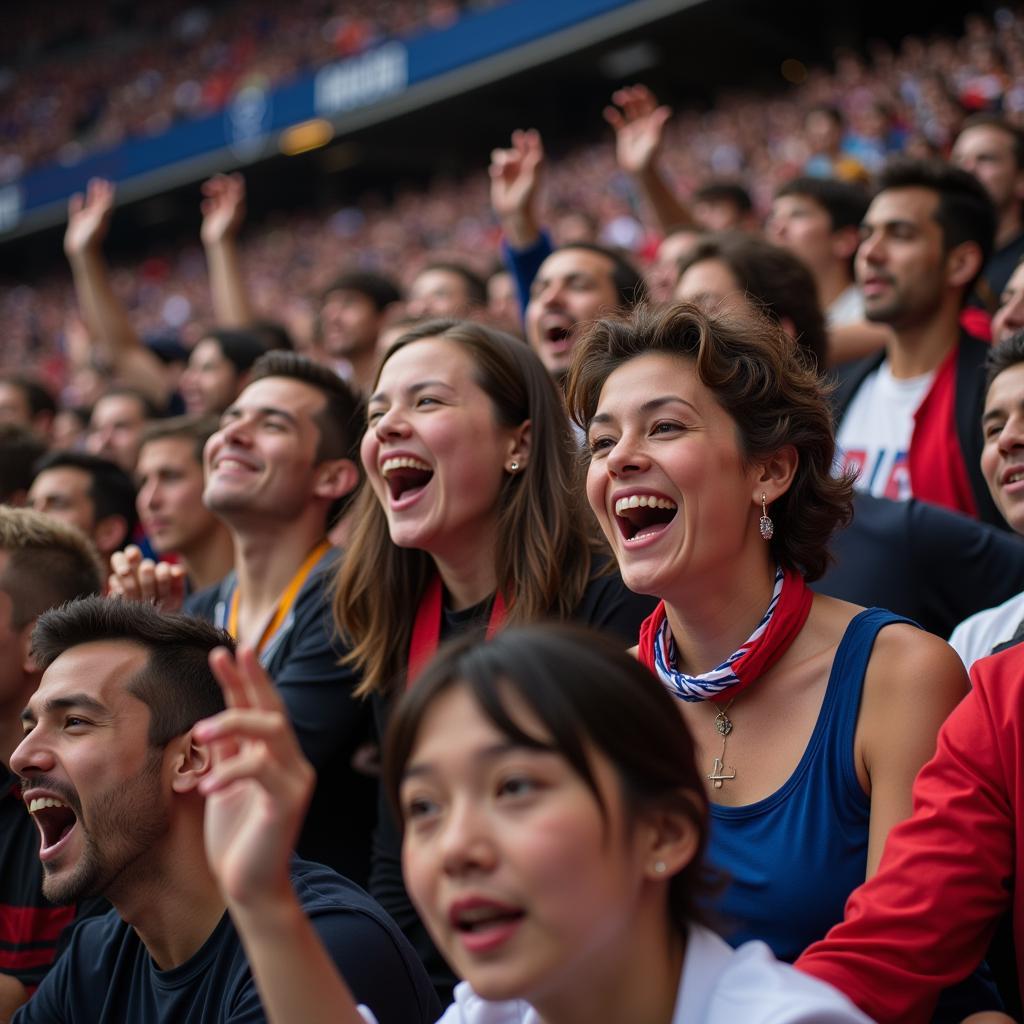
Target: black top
<point>108,975</point>
<point>932,565</point>
<point>332,726</point>
<point>608,607</point>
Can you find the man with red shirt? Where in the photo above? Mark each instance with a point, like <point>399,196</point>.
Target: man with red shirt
<point>43,563</point>
<point>909,419</point>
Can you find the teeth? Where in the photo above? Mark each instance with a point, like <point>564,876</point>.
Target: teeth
<point>390,465</point>
<point>42,802</point>
<point>641,501</point>
<point>232,462</point>
<point>1015,477</point>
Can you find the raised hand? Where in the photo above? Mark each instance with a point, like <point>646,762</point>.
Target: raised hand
<point>515,174</point>
<point>223,207</point>
<point>639,126</point>
<point>259,786</point>
<point>89,217</point>
<point>141,579</point>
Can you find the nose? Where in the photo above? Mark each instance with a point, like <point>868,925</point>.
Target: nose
<point>1011,436</point>
<point>466,842</point>
<point>32,755</point>
<point>1009,317</point>
<point>626,457</point>
<point>391,424</point>
<point>871,249</point>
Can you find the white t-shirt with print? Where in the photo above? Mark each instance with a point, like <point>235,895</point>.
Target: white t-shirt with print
<point>718,985</point>
<point>874,434</point>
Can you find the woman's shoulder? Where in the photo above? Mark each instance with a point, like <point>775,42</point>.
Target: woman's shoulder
<point>721,985</point>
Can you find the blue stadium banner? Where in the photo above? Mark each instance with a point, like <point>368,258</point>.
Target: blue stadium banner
<point>247,129</point>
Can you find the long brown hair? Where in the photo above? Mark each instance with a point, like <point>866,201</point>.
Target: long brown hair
<point>543,554</point>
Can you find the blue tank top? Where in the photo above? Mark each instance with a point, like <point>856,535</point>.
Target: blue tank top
<point>792,858</point>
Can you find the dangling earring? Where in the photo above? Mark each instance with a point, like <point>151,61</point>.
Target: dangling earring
<point>765,524</point>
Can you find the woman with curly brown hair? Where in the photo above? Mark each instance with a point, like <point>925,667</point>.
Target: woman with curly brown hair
<point>711,474</point>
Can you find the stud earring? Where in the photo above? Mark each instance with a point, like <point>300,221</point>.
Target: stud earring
<point>765,524</point>
<point>659,867</point>
<point>513,467</point>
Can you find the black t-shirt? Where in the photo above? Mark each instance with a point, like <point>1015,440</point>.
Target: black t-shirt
<point>607,606</point>
<point>108,975</point>
<point>332,726</point>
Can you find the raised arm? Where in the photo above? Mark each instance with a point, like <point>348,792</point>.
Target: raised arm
<point>115,342</point>
<point>639,124</point>
<point>223,209</point>
<point>256,794</point>
<point>515,179</point>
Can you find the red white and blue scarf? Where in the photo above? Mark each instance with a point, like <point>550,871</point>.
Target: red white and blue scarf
<point>782,621</point>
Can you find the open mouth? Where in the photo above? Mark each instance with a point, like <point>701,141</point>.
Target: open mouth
<point>560,337</point>
<point>485,918</point>
<point>643,515</point>
<point>405,476</point>
<point>55,821</point>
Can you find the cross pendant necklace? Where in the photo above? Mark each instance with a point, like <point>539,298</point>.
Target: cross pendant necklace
<point>720,772</point>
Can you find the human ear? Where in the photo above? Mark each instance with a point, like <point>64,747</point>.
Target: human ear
<point>963,262</point>
<point>672,837</point>
<point>519,446</point>
<point>845,242</point>
<point>28,661</point>
<point>335,478</point>
<point>775,474</point>
<point>110,533</point>
<point>192,760</point>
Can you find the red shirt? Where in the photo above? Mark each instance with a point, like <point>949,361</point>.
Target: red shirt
<point>948,872</point>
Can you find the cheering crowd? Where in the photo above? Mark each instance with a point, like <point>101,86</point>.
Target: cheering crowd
<point>628,634</point>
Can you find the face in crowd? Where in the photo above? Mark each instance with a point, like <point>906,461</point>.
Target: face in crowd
<point>170,494</point>
<point>434,452</point>
<point>572,287</point>
<point>93,783</point>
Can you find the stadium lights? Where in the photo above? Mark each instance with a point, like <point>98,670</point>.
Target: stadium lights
<point>301,138</point>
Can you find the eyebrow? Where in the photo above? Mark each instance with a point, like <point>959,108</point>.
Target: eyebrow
<point>651,405</point>
<point>412,389</point>
<point>488,753</point>
<point>263,410</point>
<point>74,700</point>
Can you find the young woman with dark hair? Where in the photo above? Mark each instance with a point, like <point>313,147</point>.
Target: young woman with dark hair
<point>472,515</point>
<point>711,473</point>
<point>554,829</point>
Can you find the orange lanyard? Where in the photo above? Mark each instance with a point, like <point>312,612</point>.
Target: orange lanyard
<point>284,603</point>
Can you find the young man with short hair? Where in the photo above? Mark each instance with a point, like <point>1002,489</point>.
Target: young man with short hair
<point>89,492</point>
<point>278,471</point>
<point>170,499</point>
<point>111,771</point>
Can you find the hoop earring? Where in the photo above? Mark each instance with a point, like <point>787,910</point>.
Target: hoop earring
<point>766,526</point>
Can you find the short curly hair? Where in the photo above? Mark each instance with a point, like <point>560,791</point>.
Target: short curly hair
<point>758,376</point>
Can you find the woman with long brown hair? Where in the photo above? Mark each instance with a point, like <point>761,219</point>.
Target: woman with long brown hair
<point>472,515</point>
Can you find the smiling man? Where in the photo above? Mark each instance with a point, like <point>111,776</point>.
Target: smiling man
<point>277,472</point>
<point>111,773</point>
<point>909,419</point>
